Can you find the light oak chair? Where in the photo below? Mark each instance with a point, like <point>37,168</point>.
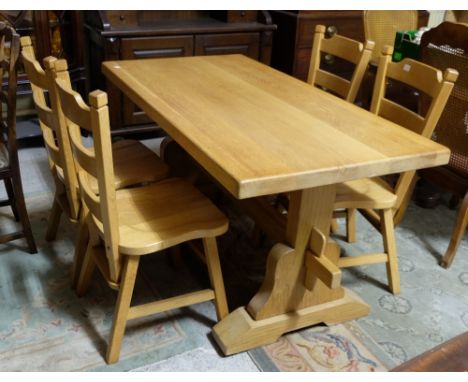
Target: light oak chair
<point>9,163</point>
<point>377,200</point>
<point>345,48</point>
<point>134,164</point>
<point>127,224</point>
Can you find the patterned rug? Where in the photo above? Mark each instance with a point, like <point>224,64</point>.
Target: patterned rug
<point>45,327</point>
<point>432,306</point>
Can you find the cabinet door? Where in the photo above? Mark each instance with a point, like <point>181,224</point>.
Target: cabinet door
<point>242,43</point>
<point>150,47</point>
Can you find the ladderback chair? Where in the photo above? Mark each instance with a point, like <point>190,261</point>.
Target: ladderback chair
<point>345,48</point>
<point>377,200</point>
<point>126,224</point>
<point>134,164</point>
<point>9,163</point>
<point>443,47</point>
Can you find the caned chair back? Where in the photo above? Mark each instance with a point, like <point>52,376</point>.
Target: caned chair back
<point>94,163</point>
<point>424,78</point>
<point>345,48</point>
<point>9,53</point>
<point>51,121</point>
<point>381,26</point>
<point>447,47</point>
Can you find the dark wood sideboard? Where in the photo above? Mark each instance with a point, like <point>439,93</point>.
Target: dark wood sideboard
<point>293,39</point>
<point>114,35</point>
<point>56,33</point>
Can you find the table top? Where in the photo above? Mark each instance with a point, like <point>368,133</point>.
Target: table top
<point>259,131</point>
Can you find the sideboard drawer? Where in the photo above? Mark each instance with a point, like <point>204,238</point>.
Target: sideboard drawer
<point>152,47</point>
<point>242,43</point>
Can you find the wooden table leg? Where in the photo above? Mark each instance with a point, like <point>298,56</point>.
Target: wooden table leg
<point>283,303</point>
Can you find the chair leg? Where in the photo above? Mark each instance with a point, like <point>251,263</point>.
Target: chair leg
<point>351,225</point>
<point>86,271</point>
<point>214,270</point>
<point>23,213</point>
<point>11,197</point>
<point>388,234</point>
<point>81,244</point>
<point>458,232</point>
<point>129,272</point>
<point>54,220</point>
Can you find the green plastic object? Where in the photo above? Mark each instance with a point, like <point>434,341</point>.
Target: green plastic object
<point>405,46</point>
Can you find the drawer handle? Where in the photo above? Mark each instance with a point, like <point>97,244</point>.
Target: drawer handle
<point>122,17</point>
<point>332,30</point>
<point>242,13</point>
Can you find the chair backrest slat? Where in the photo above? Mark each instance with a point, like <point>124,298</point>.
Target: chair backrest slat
<point>84,156</point>
<point>101,204</point>
<point>347,49</point>
<point>343,47</point>
<point>326,80</point>
<point>90,199</point>
<point>402,116</point>
<point>420,76</point>
<point>46,116</point>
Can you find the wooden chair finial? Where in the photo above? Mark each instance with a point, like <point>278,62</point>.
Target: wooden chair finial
<point>61,65</point>
<point>369,45</point>
<point>387,50</point>
<point>49,62</point>
<point>320,29</point>
<point>25,41</point>
<point>98,99</point>
<point>450,74</point>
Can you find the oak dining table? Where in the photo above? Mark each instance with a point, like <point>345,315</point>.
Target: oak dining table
<point>261,132</point>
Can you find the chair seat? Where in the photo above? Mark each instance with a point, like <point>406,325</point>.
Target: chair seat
<point>135,163</point>
<point>164,214</point>
<point>371,193</point>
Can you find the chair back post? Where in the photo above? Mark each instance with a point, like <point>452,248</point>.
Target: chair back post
<point>380,79</point>
<point>97,163</point>
<point>438,103</point>
<point>100,124</point>
<point>9,54</point>
<point>59,69</point>
<point>360,70</point>
<point>315,57</point>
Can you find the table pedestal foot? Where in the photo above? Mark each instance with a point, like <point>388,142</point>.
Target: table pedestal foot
<point>239,331</point>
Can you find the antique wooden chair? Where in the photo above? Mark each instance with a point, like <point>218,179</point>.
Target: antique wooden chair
<point>376,199</point>
<point>134,164</point>
<point>127,224</point>
<point>9,164</point>
<point>443,47</point>
<point>347,49</point>
<point>381,26</point>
